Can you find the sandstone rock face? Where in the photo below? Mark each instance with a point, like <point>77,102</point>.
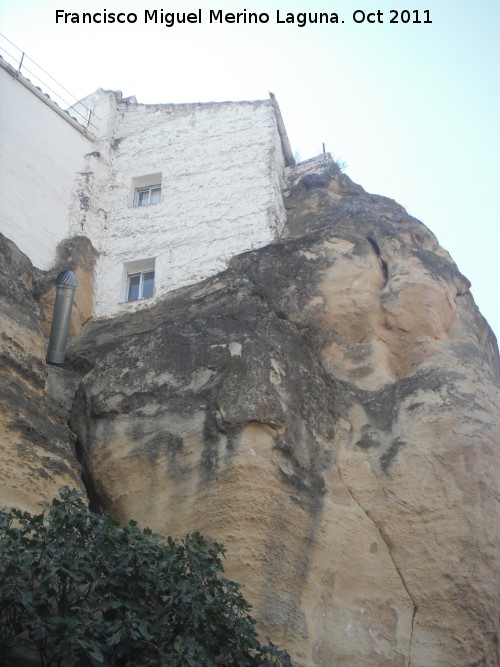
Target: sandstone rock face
<point>37,454</point>
<point>328,408</point>
<point>75,254</point>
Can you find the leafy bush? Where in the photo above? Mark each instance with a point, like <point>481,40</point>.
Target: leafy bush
<point>78,589</point>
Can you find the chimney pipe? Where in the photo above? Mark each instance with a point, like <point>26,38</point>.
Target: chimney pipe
<point>66,284</point>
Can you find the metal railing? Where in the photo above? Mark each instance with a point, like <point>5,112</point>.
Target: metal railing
<point>38,77</point>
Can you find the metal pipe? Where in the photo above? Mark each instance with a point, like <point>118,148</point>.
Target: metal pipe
<point>66,284</point>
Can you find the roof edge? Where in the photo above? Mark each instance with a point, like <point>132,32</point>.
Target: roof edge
<point>285,142</point>
<point>45,98</point>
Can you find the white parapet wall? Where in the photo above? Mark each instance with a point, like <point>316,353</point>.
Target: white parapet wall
<point>41,151</point>
<point>220,167</point>
<point>315,165</point>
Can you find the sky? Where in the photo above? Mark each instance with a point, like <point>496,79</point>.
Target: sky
<point>413,109</point>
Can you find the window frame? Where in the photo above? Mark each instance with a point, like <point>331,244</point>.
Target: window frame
<point>141,275</point>
<point>148,189</point>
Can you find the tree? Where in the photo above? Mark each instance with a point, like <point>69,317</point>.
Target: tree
<point>78,589</point>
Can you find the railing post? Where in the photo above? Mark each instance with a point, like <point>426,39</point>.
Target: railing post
<point>20,64</point>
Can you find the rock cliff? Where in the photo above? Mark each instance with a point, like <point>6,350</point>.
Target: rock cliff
<point>329,409</point>
<point>37,447</point>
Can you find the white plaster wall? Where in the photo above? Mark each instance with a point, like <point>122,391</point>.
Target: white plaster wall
<point>314,165</point>
<point>40,155</point>
<point>86,213</point>
<point>222,175</point>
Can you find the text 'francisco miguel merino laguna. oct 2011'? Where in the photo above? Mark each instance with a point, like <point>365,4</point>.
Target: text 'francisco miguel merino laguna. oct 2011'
<point>218,16</point>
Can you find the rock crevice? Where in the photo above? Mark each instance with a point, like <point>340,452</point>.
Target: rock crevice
<point>387,544</point>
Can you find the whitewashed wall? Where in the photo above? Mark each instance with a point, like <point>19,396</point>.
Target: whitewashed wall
<point>40,155</point>
<point>222,173</point>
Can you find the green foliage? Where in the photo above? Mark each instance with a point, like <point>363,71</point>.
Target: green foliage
<point>77,589</point>
<point>341,164</point>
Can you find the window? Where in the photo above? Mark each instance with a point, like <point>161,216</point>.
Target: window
<point>145,190</point>
<point>149,195</point>
<point>138,279</point>
<point>140,285</point>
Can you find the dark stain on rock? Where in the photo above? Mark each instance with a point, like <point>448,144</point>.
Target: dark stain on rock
<point>383,263</point>
<point>388,457</point>
<point>162,445</point>
<point>368,440</point>
<point>308,487</point>
<point>209,460</point>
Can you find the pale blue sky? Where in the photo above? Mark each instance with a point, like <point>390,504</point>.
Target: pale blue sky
<point>413,109</point>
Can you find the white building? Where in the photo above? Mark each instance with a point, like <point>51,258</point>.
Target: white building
<point>167,193</point>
